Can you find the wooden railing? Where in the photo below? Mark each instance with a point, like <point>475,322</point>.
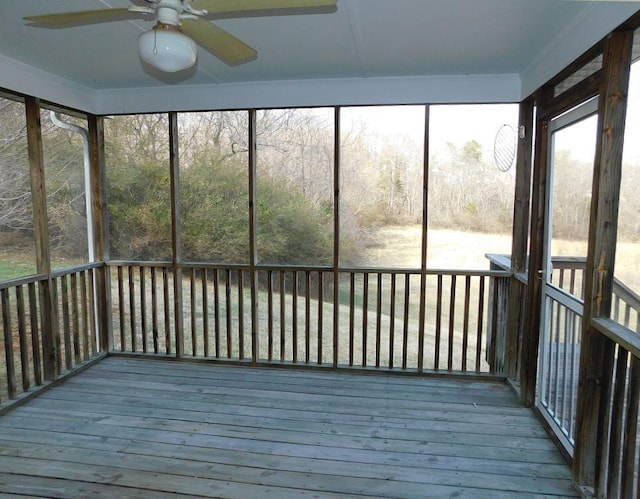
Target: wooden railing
<point>48,328</point>
<point>568,274</point>
<point>383,318</point>
<point>560,362</point>
<point>618,440</point>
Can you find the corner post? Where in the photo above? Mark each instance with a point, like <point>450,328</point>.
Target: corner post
<point>176,233</point>
<point>41,233</point>
<point>100,231</point>
<point>522,202</point>
<point>597,352</point>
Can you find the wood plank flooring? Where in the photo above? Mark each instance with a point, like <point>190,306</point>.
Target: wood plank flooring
<point>145,428</point>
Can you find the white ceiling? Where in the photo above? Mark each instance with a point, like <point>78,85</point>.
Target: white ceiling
<point>379,46</point>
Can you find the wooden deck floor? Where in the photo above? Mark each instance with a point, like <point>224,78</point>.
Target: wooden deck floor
<point>137,428</point>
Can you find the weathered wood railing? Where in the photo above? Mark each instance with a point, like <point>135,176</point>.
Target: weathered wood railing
<point>383,318</point>
<point>618,442</point>
<point>48,328</point>
<point>559,366</point>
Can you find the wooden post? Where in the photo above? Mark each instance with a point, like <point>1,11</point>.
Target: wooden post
<point>531,331</point>
<point>176,232</point>
<point>41,235</point>
<point>522,201</point>
<point>336,233</point>
<point>595,355</point>
<point>100,231</point>
<point>423,255</point>
<point>253,254</point>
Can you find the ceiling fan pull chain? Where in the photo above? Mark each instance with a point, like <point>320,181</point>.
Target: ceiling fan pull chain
<point>155,42</point>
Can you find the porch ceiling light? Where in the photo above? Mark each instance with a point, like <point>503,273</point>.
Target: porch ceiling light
<point>165,47</point>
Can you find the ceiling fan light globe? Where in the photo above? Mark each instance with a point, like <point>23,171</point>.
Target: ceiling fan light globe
<point>167,49</point>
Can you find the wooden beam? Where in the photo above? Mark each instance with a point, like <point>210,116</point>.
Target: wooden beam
<point>522,198</point>
<point>176,232</point>
<point>100,230</point>
<point>423,254</point>
<point>253,237</point>
<point>596,353</point>
<point>38,189</point>
<point>336,233</point>
<point>531,330</point>
<point>41,235</point>
<point>521,215</point>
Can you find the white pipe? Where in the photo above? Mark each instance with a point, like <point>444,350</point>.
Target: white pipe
<point>56,119</point>
<point>84,133</point>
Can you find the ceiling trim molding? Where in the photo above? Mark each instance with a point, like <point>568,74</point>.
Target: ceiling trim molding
<point>326,92</point>
<point>595,22</point>
<point>27,80</point>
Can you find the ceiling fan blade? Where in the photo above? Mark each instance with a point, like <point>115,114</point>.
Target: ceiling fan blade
<point>248,8</point>
<point>223,45</point>
<point>81,17</point>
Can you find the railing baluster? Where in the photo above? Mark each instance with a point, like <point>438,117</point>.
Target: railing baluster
<point>574,376</point>
<point>294,315</point>
<point>75,319</point>
<point>143,308</point>
<point>35,333</point>
<point>558,321</point>
<point>615,465</point>
<point>365,314</point>
<point>452,313</point>
<point>216,310</point>
<point>630,451</point>
<point>282,316</point>
<point>205,311</point>
<point>378,319</point>
<point>194,335</point>
<point>352,307</point>
<point>121,307</point>
<point>480,323</point>
<point>54,304</point>
<point>65,322</point>
<point>8,343</point>
<point>227,293</point>
<point>436,359</point>
<point>465,325</point>
<point>320,315</point>
<point>269,315</point>
<point>85,314</point>
<point>154,310</point>
<point>167,310</point>
<point>405,318</point>
<point>392,319</point>
<point>22,338</point>
<point>240,314</point>
<point>132,309</point>
<point>307,318</point>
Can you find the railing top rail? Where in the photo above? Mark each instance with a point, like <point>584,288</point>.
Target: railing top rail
<point>21,281</point>
<point>300,268</point>
<point>618,334</point>
<point>75,268</point>
<point>625,293</point>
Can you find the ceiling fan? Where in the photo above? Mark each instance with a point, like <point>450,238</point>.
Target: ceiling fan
<point>171,44</point>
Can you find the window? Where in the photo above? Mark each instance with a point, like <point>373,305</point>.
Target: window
<point>17,245</point>
<point>65,186</point>
<point>138,187</point>
<point>470,209</point>
<point>214,186</point>
<point>295,186</point>
<point>381,186</point>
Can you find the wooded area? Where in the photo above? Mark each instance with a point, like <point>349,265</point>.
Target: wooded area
<point>381,178</point>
